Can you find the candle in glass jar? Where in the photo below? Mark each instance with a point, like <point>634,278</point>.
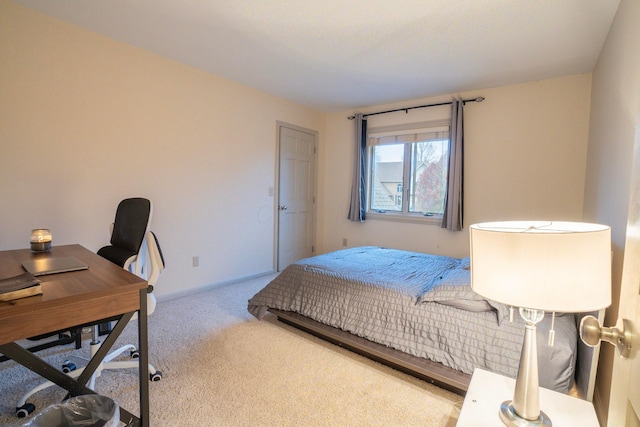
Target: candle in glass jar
<point>40,239</point>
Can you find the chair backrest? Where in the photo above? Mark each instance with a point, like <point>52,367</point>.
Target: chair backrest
<point>128,231</point>
<point>131,224</point>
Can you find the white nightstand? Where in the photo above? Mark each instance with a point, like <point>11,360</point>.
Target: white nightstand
<point>488,390</point>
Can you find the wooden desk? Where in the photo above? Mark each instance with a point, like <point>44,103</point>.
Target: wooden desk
<point>103,291</point>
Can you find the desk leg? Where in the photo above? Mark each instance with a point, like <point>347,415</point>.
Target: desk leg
<point>126,417</point>
<point>143,346</point>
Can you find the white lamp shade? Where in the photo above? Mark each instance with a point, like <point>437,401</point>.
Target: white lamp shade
<point>543,265</point>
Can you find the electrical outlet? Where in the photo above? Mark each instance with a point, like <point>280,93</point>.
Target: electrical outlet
<point>344,241</point>
<point>270,191</point>
<point>195,261</point>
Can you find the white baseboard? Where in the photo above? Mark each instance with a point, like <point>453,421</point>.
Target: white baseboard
<point>178,294</point>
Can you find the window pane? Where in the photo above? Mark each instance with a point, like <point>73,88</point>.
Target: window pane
<point>386,177</point>
<point>428,176</point>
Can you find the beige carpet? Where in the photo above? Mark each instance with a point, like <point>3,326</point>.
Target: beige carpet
<point>223,367</point>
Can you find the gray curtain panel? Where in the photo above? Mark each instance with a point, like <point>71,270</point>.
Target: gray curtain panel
<point>358,188</point>
<point>452,217</point>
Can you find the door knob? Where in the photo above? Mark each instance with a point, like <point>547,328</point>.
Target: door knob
<point>592,333</point>
<point>283,207</point>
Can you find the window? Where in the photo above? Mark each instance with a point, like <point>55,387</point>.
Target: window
<point>408,169</point>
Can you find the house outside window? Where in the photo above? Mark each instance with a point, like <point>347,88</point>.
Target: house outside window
<point>408,168</point>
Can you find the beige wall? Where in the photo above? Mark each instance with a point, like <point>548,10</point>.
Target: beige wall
<point>86,121</point>
<point>525,158</point>
<point>614,110</point>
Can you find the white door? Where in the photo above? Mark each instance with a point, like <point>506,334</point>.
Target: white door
<point>296,195</point>
<point>624,399</point>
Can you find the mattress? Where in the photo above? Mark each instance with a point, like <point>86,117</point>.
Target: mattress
<point>419,304</point>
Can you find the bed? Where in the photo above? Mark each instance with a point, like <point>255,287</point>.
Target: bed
<point>417,313</point>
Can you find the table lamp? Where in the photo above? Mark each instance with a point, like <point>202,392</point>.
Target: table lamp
<point>539,266</point>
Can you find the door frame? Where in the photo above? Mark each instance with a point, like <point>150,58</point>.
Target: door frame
<point>276,190</point>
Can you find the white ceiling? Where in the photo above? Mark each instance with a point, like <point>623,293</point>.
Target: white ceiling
<point>334,55</point>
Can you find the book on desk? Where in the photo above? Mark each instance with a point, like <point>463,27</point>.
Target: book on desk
<point>20,286</point>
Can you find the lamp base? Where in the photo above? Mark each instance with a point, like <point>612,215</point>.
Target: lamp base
<point>510,418</point>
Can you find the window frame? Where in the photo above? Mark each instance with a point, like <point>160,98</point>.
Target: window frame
<point>397,130</point>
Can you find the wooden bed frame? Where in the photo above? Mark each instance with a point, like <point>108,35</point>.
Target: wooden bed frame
<point>432,372</point>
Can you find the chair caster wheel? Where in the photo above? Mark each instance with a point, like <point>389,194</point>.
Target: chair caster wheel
<point>134,354</point>
<point>68,366</point>
<point>25,410</point>
<point>156,377</point>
